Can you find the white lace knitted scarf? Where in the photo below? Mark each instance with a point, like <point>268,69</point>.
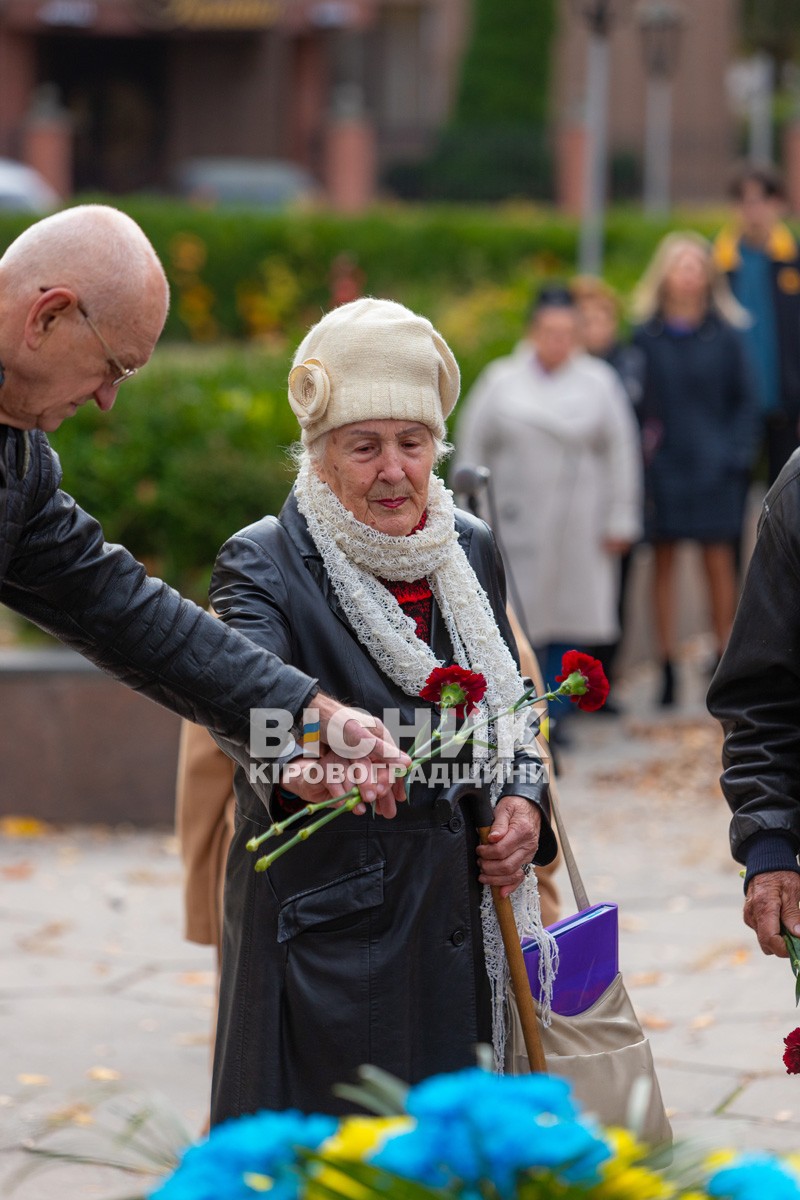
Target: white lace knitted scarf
<point>356,557</point>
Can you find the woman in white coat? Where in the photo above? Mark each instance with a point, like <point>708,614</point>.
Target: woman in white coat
<point>555,429</point>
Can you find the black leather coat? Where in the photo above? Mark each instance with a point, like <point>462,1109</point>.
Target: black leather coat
<point>57,570</point>
<point>363,944</point>
<point>755,692</point>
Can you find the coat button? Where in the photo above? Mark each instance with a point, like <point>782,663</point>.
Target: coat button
<point>457,937</point>
<point>455,823</point>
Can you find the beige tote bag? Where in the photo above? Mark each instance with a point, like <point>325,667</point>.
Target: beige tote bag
<point>602,1051</point>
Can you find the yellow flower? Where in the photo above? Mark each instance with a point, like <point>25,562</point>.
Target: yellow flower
<point>623,1179</point>
<point>258,1183</point>
<point>626,1148</point>
<point>718,1159</point>
<point>354,1141</point>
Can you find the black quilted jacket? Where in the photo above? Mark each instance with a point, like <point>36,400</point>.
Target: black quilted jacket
<point>755,692</point>
<point>57,570</point>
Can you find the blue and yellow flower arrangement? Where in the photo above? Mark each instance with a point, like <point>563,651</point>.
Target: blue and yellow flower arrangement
<point>470,1135</point>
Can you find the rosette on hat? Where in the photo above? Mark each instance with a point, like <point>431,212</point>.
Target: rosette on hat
<point>309,391</point>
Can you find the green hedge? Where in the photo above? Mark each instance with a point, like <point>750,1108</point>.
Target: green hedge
<point>264,277</point>
<point>195,447</point>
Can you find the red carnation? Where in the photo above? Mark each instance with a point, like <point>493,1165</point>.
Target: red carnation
<point>595,692</point>
<point>791,1055</point>
<point>454,687</point>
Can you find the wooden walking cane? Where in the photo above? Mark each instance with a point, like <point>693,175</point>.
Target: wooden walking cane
<point>518,971</point>
<point>508,926</point>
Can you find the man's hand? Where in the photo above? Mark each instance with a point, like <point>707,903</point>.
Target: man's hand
<point>616,545</point>
<point>772,899</point>
<point>513,841</point>
<point>364,745</point>
<point>302,777</point>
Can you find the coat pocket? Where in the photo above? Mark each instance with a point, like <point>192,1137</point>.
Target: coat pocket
<point>331,906</point>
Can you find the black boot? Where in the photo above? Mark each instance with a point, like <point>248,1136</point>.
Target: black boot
<point>667,697</point>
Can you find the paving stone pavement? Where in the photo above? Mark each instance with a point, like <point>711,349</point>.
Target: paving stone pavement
<point>98,989</point>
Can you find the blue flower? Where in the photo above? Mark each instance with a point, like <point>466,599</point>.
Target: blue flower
<point>472,1125</point>
<point>236,1154</point>
<point>754,1177</point>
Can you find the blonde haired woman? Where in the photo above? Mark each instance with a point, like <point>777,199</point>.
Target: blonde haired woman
<point>699,428</point>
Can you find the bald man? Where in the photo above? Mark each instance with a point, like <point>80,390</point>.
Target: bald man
<point>83,300</point>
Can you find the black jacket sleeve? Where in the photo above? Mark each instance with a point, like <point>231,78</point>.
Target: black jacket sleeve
<point>99,600</point>
<point>755,692</point>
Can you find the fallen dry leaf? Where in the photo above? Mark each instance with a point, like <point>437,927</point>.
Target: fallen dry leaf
<point>20,870</point>
<point>192,1039</point>
<point>103,1074</point>
<point>644,979</point>
<point>654,1021</point>
<point>144,875</point>
<point>43,939</point>
<point>721,954</point>
<point>702,1021</point>
<point>24,827</point>
<point>198,979</point>
<point>71,1114</point>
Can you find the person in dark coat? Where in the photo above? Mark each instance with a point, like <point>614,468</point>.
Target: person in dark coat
<point>83,299</point>
<point>760,256</point>
<point>754,695</point>
<point>600,313</point>
<point>700,427</point>
<point>373,941</point>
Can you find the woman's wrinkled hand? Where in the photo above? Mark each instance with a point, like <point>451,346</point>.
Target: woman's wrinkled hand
<point>513,842</point>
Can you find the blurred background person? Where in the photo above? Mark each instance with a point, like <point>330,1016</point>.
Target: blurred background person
<point>599,320</point>
<point>700,429</point>
<point>600,310</point>
<point>346,280</point>
<point>554,427</point>
<point>761,259</point>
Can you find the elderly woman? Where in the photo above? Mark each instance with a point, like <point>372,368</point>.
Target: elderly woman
<point>370,942</point>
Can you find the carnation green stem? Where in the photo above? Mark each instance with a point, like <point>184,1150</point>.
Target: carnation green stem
<point>307,810</point>
<point>349,800</point>
<point>263,864</point>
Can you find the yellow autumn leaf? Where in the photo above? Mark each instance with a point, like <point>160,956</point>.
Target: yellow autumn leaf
<point>103,1074</point>
<point>23,827</point>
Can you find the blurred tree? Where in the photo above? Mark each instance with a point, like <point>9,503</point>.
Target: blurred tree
<point>772,26</point>
<point>495,145</point>
<point>506,72</point>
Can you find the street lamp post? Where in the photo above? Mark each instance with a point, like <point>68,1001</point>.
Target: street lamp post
<point>599,16</point>
<point>660,25</point>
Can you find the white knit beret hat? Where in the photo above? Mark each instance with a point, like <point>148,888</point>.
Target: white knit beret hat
<point>369,360</point>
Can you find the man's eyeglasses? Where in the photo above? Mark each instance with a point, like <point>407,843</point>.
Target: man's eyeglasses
<point>122,373</point>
